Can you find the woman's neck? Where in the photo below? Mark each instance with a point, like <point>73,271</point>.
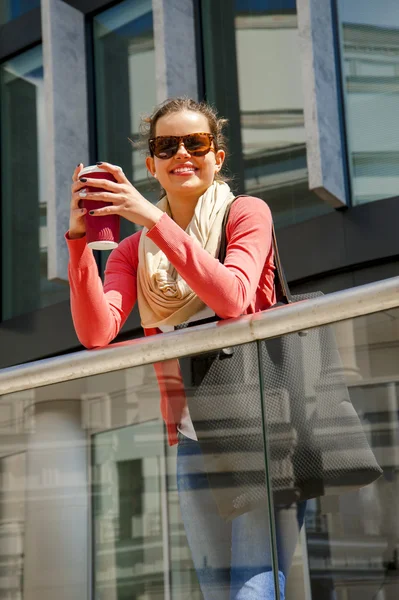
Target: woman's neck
<point>182,210</point>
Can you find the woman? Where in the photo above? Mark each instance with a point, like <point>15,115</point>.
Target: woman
<point>171,268</point>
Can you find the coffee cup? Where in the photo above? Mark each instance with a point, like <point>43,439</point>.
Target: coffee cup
<point>102,233</point>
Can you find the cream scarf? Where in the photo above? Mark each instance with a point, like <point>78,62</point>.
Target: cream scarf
<point>164,298</point>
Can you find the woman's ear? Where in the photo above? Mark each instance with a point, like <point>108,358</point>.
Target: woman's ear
<point>220,155</point>
<point>150,164</point>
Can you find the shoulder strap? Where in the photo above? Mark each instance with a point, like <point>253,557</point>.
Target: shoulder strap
<point>223,241</point>
<point>283,292</point>
<point>280,281</point>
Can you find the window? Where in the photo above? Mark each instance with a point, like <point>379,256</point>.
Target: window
<point>25,286</point>
<point>270,113</point>
<point>370,70</point>
<point>11,9</point>
<point>125,88</point>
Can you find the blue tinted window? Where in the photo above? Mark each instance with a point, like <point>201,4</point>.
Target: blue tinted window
<point>265,5</point>
<point>370,71</point>
<point>11,9</point>
<point>271,110</point>
<point>25,285</point>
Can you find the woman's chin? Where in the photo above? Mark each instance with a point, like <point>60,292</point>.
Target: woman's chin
<point>190,185</point>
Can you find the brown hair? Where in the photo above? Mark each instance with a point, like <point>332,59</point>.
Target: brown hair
<point>175,105</point>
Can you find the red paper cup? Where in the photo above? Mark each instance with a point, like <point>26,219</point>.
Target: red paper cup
<point>102,233</point>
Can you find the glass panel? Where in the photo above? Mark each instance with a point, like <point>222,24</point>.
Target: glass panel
<point>130,512</point>
<point>24,213</point>
<point>348,546</point>
<point>125,88</point>
<point>370,71</point>
<point>97,446</point>
<point>11,9</point>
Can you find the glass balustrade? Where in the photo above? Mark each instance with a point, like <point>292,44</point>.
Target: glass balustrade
<point>95,503</point>
<point>348,546</point>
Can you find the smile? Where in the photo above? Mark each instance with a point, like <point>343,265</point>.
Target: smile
<point>184,170</point>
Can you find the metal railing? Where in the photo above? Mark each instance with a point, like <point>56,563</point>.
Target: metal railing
<point>331,308</point>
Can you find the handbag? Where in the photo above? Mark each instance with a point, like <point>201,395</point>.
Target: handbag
<point>287,394</point>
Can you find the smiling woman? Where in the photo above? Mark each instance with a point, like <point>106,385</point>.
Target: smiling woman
<point>190,126</point>
<point>173,270</point>
<point>186,158</point>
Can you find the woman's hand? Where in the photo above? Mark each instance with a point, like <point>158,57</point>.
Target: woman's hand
<point>77,226</point>
<point>126,200</point>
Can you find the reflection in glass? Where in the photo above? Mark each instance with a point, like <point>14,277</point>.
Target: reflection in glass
<point>145,489</point>
<point>11,9</point>
<point>271,107</point>
<point>353,539</point>
<point>24,213</point>
<point>370,72</point>
<point>128,512</point>
<point>12,524</point>
<point>125,88</point>
<point>140,547</point>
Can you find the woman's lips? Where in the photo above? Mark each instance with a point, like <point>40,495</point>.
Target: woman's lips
<point>184,173</point>
<point>184,170</point>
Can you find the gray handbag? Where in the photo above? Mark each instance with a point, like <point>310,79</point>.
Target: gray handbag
<point>295,385</point>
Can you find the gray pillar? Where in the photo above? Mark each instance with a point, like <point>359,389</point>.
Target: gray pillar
<point>175,49</point>
<point>12,517</point>
<point>67,143</point>
<point>345,334</point>
<point>325,143</point>
<point>57,512</point>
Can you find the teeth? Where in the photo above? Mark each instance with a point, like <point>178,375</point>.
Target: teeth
<point>183,169</point>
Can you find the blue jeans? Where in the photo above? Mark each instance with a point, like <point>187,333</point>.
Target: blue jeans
<point>232,559</point>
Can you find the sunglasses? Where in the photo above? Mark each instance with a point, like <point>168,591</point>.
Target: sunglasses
<point>166,146</point>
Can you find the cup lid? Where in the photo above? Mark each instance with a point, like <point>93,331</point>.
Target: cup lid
<point>102,245</point>
<point>91,169</point>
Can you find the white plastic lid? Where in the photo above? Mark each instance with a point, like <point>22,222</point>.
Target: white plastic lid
<point>102,245</point>
<point>91,169</point>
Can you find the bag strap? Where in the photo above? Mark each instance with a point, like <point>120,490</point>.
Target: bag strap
<point>283,293</point>
<point>280,280</point>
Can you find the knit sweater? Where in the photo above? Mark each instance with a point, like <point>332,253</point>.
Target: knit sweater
<point>244,284</point>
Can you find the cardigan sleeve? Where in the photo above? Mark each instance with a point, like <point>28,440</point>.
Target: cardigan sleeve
<point>226,288</point>
<point>99,311</point>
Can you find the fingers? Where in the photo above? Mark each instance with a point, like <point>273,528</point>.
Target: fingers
<point>82,194</point>
<point>78,185</point>
<point>79,212</point>
<point>76,198</point>
<point>99,196</point>
<point>101,183</point>
<point>76,172</point>
<point>107,210</point>
<point>115,170</point>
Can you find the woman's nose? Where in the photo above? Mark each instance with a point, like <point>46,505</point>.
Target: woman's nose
<point>181,151</point>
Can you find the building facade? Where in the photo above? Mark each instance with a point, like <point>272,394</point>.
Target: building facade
<point>311,92</point>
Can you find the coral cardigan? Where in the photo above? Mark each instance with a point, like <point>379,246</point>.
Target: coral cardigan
<point>244,284</point>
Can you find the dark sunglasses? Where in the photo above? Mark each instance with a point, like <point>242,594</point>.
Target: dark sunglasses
<point>166,146</point>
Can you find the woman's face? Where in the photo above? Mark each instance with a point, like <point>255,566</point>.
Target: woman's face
<point>184,175</point>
